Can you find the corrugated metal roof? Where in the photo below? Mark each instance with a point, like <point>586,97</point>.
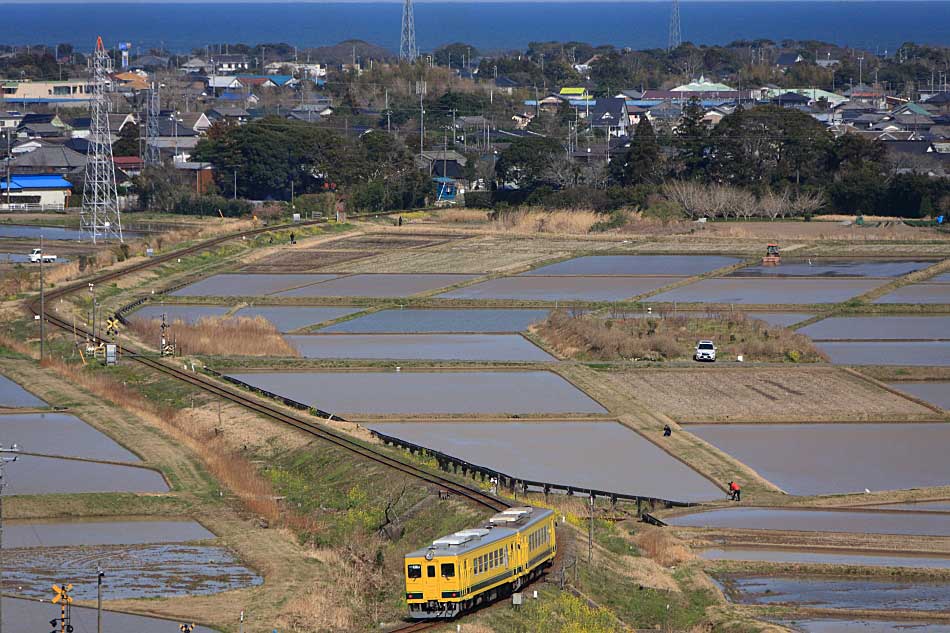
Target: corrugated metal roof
<point>51,181</point>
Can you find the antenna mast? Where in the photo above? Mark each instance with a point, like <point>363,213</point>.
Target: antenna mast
<point>407,42</point>
<point>100,216</point>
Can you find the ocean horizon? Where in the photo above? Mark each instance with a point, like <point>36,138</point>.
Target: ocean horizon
<point>180,26</point>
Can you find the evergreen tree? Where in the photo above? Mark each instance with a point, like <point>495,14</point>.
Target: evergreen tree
<point>690,137</point>
<point>641,163</point>
<point>128,143</point>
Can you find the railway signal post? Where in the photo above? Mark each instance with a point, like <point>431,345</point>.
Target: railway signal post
<point>5,458</point>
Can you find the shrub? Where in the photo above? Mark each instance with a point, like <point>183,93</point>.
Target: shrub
<point>211,205</point>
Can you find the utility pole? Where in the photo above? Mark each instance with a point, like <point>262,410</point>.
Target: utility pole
<point>42,301</point>
<point>4,459</point>
<point>590,533</point>
<point>422,125</point>
<point>99,575</point>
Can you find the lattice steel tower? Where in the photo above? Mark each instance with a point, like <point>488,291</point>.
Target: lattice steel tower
<point>676,36</point>
<point>100,215</point>
<point>150,152</point>
<point>407,43</point>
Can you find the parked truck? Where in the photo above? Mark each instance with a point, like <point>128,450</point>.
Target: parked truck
<point>37,257</point>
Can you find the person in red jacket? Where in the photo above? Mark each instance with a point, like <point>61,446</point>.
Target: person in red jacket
<point>735,491</point>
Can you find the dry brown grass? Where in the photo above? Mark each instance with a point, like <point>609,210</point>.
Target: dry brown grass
<point>463,216</point>
<point>757,394</point>
<point>550,222</point>
<point>221,336</point>
<point>673,337</point>
<point>663,547</point>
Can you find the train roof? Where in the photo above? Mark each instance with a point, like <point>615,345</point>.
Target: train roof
<point>499,527</point>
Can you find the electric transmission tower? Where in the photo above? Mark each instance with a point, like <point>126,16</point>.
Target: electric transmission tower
<point>676,35</point>
<point>407,43</point>
<point>150,153</point>
<point>100,215</point>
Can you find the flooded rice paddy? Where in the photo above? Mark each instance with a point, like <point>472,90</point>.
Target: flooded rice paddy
<point>467,347</point>
<point>248,285</point>
<point>62,435</point>
<point>26,534</point>
<point>440,320</point>
<point>144,571</point>
<point>812,459</point>
<point>825,268</point>
<point>781,319</point>
<point>746,291</point>
<point>561,452</point>
<point>942,278</point>
<point>33,615</point>
<point>184,313</point>
<point>420,392</point>
<point>887,353</point>
<point>681,265</point>
<point>829,557</point>
<point>24,231</point>
<point>379,286</point>
<point>921,506</point>
<point>805,520</point>
<point>560,288</point>
<point>838,593</point>
<point>287,318</point>
<point>918,293</point>
<point>13,395</point>
<point>880,327</point>
<point>863,626</point>
<point>936,393</point>
<point>32,475</point>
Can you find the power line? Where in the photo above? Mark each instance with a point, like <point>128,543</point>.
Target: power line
<point>150,154</point>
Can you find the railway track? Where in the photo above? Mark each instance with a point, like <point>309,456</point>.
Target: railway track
<point>238,396</point>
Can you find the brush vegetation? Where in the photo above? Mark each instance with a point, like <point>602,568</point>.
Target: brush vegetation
<point>220,336</point>
<point>672,337</point>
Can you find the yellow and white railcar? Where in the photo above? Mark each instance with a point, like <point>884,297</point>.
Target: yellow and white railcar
<point>467,568</point>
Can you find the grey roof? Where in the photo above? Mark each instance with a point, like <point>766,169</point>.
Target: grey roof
<point>787,59</point>
<point>469,540</point>
<point>167,127</point>
<point>610,111</point>
<point>52,157</point>
<point>42,129</point>
<point>229,111</point>
<point>939,98</point>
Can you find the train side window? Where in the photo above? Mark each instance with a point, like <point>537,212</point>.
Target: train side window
<point>430,571</point>
<point>415,571</point>
<point>448,570</point>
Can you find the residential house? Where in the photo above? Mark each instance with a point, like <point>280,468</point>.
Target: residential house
<point>150,62</point>
<point>195,65</point>
<point>203,174</point>
<point>940,102</point>
<point>77,92</point>
<point>610,114</point>
<point>815,95</point>
<point>41,192</point>
<point>9,121</point>
<point>49,159</point>
<point>574,94</point>
<point>237,98</point>
<point>506,84</point>
<point>251,82</point>
<point>787,60</point>
<point>867,95</point>
<point>130,82</point>
<point>218,84</point>
<point>827,61</point>
<point>791,100</point>
<point>442,163</point>
<point>197,121</point>
<point>230,64</point>
<point>130,166</point>
<point>27,145</point>
<point>233,113</point>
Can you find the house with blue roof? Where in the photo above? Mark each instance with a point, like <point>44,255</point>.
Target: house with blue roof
<point>39,192</point>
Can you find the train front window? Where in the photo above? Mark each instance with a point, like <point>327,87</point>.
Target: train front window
<point>415,571</point>
<point>448,570</point>
<point>430,571</point>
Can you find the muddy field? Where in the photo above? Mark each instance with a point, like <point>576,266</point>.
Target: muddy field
<point>767,394</point>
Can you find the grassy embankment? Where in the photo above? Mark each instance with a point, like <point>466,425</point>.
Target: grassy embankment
<point>672,338</point>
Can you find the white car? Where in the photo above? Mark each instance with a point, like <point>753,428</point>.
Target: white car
<point>37,257</point>
<point>705,350</point>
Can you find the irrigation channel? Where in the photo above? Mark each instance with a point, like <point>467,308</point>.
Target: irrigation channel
<point>238,397</point>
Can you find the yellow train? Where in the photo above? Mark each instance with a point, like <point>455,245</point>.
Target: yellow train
<point>465,569</point>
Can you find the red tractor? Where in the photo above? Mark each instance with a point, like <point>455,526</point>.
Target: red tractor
<point>772,256</point>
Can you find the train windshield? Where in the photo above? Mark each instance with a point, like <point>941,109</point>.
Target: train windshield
<point>448,570</point>
<point>415,571</point>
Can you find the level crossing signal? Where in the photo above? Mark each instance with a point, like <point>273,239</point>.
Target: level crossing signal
<point>186,628</point>
<point>112,326</point>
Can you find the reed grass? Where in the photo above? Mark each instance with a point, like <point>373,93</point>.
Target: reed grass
<point>672,337</point>
<point>552,222</point>
<point>221,336</point>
